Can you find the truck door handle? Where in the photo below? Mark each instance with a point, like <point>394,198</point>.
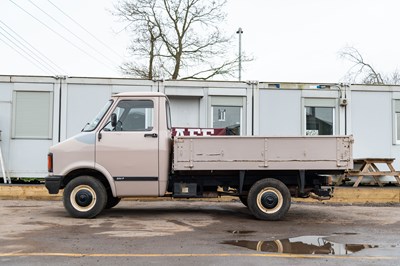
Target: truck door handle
<point>152,135</point>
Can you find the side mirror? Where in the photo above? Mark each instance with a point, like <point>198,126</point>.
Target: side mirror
<point>113,120</point>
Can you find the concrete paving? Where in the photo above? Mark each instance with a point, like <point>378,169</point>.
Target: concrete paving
<point>34,232</point>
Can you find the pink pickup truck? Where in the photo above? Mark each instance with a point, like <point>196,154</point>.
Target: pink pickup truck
<point>128,151</point>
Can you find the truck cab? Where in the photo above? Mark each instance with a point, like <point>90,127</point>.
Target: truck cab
<point>126,148</point>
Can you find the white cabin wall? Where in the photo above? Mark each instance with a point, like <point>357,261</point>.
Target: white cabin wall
<point>268,109</point>
<point>280,112</point>
<point>24,156</point>
<point>371,124</point>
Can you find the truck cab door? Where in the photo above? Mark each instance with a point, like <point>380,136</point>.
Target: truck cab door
<point>127,146</point>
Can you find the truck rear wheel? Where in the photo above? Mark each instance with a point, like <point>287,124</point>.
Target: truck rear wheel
<point>269,199</point>
<point>84,197</point>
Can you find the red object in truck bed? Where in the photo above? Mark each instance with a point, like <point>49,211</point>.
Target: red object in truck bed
<point>193,131</point>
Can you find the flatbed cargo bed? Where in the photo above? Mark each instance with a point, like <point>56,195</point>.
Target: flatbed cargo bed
<point>263,153</point>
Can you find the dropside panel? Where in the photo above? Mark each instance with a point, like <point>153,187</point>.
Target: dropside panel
<point>263,153</point>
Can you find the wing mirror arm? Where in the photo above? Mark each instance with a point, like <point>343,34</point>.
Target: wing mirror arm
<point>113,124</point>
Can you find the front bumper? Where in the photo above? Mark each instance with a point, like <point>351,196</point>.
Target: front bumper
<point>53,184</point>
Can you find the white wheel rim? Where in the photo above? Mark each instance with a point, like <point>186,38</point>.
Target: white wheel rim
<point>279,245</point>
<point>277,193</point>
<point>74,193</point>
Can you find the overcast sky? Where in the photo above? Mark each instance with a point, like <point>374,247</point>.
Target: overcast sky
<point>290,40</point>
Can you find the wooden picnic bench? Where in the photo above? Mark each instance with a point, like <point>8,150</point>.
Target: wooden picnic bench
<point>369,168</point>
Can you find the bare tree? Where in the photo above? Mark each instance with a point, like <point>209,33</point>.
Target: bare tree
<point>176,39</point>
<point>360,67</point>
<point>364,72</point>
<point>393,78</point>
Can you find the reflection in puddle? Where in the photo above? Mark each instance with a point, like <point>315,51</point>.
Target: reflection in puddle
<point>301,245</point>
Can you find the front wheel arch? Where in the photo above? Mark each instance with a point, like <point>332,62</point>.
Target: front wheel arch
<point>106,180</point>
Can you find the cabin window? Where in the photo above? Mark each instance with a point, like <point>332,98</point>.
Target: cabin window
<point>227,112</point>
<point>319,117</point>
<point>32,115</point>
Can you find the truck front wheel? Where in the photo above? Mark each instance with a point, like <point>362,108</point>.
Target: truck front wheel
<point>269,199</point>
<point>84,197</point>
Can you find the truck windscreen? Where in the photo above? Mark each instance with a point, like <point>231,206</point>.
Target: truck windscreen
<point>93,124</point>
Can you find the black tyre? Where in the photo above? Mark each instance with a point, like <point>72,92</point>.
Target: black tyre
<point>243,199</point>
<point>269,199</point>
<point>84,197</point>
<point>111,200</point>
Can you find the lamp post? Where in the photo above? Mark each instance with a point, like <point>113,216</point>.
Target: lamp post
<point>240,32</point>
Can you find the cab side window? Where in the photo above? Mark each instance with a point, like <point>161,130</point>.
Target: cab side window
<point>133,115</point>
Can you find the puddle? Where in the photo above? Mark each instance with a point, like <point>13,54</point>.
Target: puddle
<point>301,245</point>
